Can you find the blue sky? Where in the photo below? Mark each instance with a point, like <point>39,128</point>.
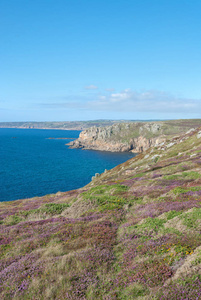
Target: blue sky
<point>65,60</point>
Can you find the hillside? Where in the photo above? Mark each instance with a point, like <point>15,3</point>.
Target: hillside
<point>134,232</point>
<point>135,137</point>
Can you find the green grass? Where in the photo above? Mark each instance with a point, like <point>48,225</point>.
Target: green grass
<point>173,213</point>
<point>148,225</point>
<point>133,291</point>
<point>102,189</point>
<point>54,208</point>
<point>192,219</point>
<point>151,224</point>
<point>138,175</point>
<point>108,197</point>
<point>197,261</point>
<point>180,190</point>
<point>48,208</point>
<point>189,175</point>
<point>109,202</point>
<point>172,177</point>
<point>13,220</point>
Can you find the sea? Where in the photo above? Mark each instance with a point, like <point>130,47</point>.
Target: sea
<point>37,162</point>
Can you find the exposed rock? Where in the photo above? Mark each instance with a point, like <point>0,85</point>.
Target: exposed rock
<point>152,127</point>
<point>155,156</point>
<point>134,137</point>
<point>199,135</point>
<point>190,130</point>
<point>119,138</point>
<point>170,145</point>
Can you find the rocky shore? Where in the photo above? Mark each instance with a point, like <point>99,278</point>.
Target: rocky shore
<point>133,137</point>
<point>87,140</point>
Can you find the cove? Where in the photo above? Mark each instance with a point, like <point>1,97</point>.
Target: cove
<point>36,162</point>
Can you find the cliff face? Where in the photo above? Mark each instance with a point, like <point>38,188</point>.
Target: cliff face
<point>134,137</point>
<point>92,140</point>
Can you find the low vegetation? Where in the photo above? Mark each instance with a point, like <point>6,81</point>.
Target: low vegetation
<point>131,233</point>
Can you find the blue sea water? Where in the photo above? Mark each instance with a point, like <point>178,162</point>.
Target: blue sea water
<point>33,165</point>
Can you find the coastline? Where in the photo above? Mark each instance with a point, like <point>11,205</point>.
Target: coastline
<point>34,165</point>
<point>44,128</point>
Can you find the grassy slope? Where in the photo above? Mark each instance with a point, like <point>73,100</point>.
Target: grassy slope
<point>132,233</point>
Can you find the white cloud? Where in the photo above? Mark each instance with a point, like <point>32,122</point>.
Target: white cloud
<point>91,87</point>
<point>156,103</point>
<point>117,97</point>
<point>147,101</point>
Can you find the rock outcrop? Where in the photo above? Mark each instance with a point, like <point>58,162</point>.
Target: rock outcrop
<point>135,137</point>
<point>120,138</point>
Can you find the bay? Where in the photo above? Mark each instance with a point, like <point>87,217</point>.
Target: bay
<point>32,164</point>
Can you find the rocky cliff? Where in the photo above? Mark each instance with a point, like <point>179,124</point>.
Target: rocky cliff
<point>134,137</point>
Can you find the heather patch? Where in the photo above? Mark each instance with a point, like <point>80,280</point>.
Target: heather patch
<point>154,260</point>
<point>131,182</point>
<point>72,235</point>
<point>187,288</point>
<point>102,234</point>
<point>83,271</point>
<point>150,272</point>
<point>198,162</point>
<point>16,277</point>
<point>152,191</point>
<point>170,183</point>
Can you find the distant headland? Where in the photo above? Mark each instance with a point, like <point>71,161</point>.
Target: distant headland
<point>67,125</point>
<point>135,137</point>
